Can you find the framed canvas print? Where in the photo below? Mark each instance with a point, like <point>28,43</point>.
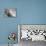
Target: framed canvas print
<point>32,32</point>
<point>29,34</point>
<point>10,12</point>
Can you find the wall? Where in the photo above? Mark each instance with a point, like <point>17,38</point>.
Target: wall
<point>7,25</point>
<point>28,12</point>
<point>33,12</point>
